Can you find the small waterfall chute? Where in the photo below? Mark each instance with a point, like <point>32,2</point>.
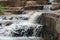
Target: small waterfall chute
<point>34,17</point>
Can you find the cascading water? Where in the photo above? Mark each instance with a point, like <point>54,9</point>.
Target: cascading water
<point>47,7</point>
<point>51,0</point>
<point>34,17</point>
<point>20,28</point>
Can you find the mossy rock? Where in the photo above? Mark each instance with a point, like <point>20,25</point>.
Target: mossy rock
<point>1,10</point>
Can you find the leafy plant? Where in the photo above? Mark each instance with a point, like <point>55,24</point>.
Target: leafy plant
<point>1,10</point>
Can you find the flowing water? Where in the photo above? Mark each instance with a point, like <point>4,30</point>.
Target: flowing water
<point>21,27</point>
<point>18,27</point>
<point>47,7</point>
<point>51,0</point>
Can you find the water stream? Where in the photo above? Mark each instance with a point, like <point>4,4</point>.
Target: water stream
<point>18,27</point>
<point>21,27</point>
<point>47,7</point>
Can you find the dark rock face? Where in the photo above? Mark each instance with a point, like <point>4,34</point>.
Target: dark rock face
<point>18,12</point>
<point>33,8</point>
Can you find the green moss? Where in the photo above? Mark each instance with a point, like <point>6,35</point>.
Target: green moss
<point>1,10</point>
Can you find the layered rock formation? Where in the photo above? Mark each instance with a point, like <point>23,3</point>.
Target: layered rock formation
<point>55,5</point>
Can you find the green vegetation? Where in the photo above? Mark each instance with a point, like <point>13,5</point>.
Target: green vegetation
<point>1,10</point>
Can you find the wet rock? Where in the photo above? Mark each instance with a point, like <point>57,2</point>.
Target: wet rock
<point>19,12</point>
<point>38,32</point>
<point>0,24</point>
<point>11,18</point>
<point>4,18</point>
<point>8,24</point>
<point>18,33</point>
<point>29,32</point>
<point>55,6</point>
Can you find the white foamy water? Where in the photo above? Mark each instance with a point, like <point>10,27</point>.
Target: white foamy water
<point>20,38</point>
<point>47,7</point>
<point>51,0</point>
<point>34,17</point>
<point>19,28</point>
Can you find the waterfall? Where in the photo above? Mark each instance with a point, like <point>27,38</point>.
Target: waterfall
<point>34,17</point>
<point>19,28</point>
